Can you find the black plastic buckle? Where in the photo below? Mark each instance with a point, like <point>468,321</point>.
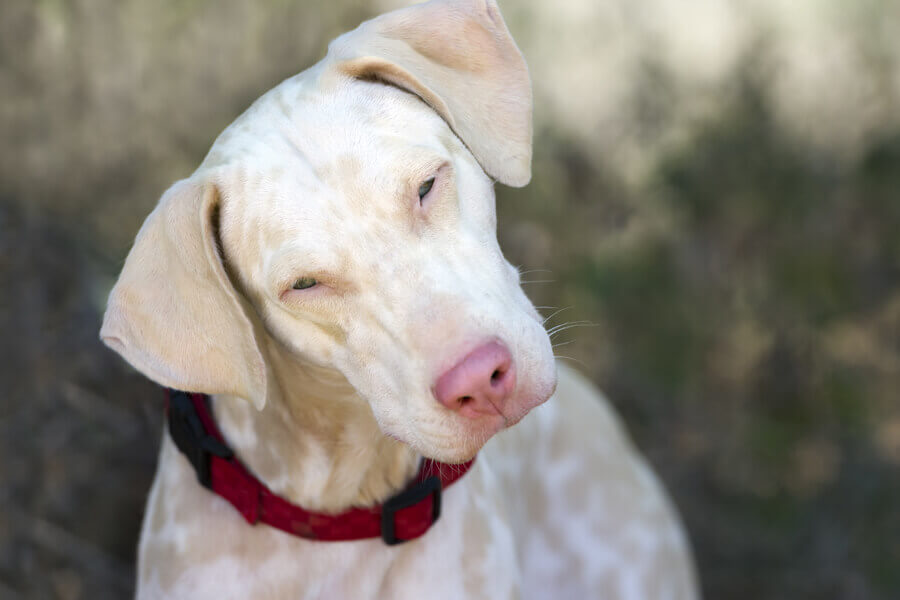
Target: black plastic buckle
<point>406,499</point>
<point>191,437</point>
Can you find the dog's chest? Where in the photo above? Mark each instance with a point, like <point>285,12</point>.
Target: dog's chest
<point>195,545</point>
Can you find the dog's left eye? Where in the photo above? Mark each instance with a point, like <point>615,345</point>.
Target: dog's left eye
<point>425,188</point>
<point>304,283</point>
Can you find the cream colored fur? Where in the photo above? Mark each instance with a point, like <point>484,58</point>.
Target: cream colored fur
<point>325,393</point>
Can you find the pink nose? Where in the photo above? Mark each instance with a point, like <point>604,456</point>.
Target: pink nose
<point>480,383</point>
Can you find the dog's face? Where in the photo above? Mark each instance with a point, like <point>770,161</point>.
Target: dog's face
<point>348,213</point>
<point>368,202</point>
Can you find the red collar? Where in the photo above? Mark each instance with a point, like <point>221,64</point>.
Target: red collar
<point>401,518</point>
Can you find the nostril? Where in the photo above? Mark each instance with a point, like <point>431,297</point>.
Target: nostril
<point>499,376</point>
<point>479,383</point>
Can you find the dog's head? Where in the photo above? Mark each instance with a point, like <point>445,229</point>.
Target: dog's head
<point>347,220</point>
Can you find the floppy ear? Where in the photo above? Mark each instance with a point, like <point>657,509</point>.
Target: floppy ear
<point>459,57</point>
<point>173,314</point>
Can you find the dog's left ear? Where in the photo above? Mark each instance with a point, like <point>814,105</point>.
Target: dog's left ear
<point>459,57</point>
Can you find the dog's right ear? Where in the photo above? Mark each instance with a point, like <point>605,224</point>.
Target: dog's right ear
<point>174,314</point>
<point>459,58</point>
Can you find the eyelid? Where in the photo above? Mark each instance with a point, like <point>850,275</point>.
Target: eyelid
<point>305,283</point>
<point>288,292</point>
<point>425,189</point>
<point>327,285</point>
<point>436,171</point>
<point>289,273</point>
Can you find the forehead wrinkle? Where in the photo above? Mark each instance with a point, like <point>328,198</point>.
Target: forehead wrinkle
<point>301,160</point>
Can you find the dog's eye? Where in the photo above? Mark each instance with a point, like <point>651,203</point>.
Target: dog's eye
<point>425,188</point>
<point>304,283</point>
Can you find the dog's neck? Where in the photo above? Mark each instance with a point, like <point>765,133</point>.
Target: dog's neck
<point>316,443</point>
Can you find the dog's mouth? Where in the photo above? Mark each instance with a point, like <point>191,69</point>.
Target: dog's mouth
<point>458,439</point>
<point>446,409</point>
<point>519,411</point>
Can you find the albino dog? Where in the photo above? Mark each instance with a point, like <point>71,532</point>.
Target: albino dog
<point>330,275</point>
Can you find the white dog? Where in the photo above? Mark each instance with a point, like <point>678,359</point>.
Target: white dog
<point>331,276</point>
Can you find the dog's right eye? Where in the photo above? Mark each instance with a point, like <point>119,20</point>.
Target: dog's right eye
<point>304,283</point>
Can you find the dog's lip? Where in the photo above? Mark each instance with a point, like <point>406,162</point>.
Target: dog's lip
<point>487,426</point>
<point>522,404</point>
<point>525,406</point>
<point>514,419</point>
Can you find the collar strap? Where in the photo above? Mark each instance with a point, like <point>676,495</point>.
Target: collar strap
<point>403,517</point>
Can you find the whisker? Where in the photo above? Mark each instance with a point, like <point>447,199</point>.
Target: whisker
<point>555,313</point>
<point>561,344</point>
<point>534,271</point>
<point>553,335</point>
<point>567,323</point>
<point>570,358</point>
<point>538,281</point>
<point>564,326</point>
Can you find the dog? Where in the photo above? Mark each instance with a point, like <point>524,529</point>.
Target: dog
<point>330,279</point>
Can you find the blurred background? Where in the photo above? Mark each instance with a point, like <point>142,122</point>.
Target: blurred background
<point>716,192</point>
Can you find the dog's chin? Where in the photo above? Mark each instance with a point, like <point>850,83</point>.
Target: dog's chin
<point>453,456</point>
<point>454,442</point>
<point>453,438</point>
<point>466,436</point>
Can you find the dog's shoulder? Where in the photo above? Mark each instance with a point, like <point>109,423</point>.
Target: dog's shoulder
<point>577,487</point>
